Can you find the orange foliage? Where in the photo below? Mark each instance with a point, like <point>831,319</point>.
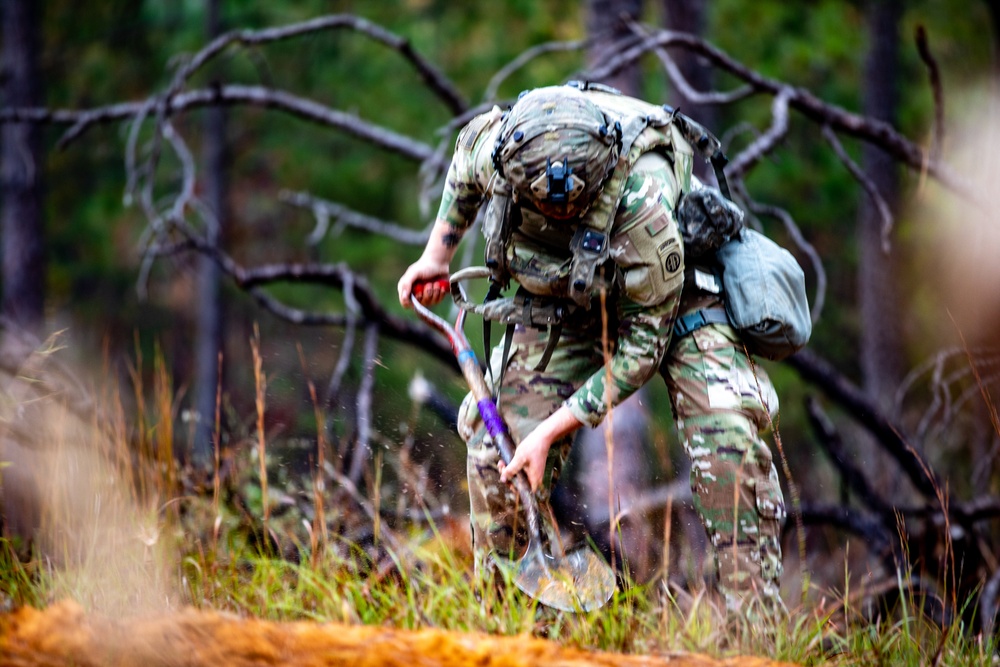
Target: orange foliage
<point>64,635</point>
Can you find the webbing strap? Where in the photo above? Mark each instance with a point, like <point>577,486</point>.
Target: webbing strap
<point>491,295</point>
<point>719,161</point>
<point>508,337</point>
<point>699,318</point>
<point>555,332</point>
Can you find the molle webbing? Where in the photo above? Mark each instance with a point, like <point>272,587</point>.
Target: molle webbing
<point>525,309</point>
<point>501,218</point>
<point>641,127</point>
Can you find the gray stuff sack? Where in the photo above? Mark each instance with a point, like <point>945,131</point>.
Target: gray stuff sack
<point>765,295</point>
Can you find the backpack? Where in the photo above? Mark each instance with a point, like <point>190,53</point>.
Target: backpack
<point>765,295</point>
<point>622,129</point>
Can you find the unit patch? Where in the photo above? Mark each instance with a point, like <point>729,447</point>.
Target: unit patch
<point>673,262</point>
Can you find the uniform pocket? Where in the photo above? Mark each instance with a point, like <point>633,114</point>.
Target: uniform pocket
<point>715,336</point>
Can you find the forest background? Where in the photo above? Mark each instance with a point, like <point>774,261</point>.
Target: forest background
<point>890,441</point>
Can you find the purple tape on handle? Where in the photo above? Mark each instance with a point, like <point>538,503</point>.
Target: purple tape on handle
<point>494,425</point>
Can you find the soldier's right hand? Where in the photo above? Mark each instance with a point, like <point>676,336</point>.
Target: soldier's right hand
<point>429,273</point>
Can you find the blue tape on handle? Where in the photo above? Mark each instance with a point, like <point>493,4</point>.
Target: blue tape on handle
<point>491,418</point>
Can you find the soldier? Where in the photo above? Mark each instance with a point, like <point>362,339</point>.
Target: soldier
<point>592,211</point>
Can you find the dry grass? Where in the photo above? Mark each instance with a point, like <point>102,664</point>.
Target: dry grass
<point>140,545</point>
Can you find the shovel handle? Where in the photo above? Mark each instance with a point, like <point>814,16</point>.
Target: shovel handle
<point>474,377</point>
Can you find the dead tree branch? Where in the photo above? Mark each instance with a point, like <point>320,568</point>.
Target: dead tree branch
<point>765,143</point>
<point>489,95</point>
<point>876,132</point>
<point>323,210</point>
<point>934,74</point>
<point>362,449</point>
<point>822,373</point>
<point>330,275</point>
<point>833,445</point>
<point>683,85</point>
<point>859,175</point>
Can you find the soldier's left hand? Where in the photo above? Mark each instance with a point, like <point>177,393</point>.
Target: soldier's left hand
<point>529,456</point>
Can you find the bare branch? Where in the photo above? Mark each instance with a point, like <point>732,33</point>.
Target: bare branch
<point>231,95</point>
<point>310,110</point>
<point>683,86</point>
<point>934,73</point>
<point>851,520</point>
<point>323,210</point>
<point>883,208</point>
<point>815,369</point>
<point>362,450</point>
<point>833,445</point>
<point>876,132</point>
<point>347,345</point>
<point>767,142</point>
<point>524,58</point>
<point>434,79</point>
<point>330,275</point>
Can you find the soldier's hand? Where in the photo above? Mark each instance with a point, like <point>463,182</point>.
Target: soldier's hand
<point>529,456</point>
<point>531,453</point>
<point>423,271</point>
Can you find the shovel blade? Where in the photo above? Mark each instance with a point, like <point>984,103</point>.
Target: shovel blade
<point>578,581</point>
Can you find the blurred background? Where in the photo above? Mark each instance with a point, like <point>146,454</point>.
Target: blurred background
<point>130,235</point>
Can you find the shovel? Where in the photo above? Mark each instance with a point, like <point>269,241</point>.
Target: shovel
<point>579,580</point>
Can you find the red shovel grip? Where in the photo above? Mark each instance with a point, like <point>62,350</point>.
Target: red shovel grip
<point>418,288</point>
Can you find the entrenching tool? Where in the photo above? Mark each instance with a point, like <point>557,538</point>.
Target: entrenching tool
<point>575,581</point>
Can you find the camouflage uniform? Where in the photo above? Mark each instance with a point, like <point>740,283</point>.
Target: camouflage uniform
<point>722,402</point>
<point>715,392</point>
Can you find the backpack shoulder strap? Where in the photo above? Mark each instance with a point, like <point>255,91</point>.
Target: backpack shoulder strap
<point>590,245</point>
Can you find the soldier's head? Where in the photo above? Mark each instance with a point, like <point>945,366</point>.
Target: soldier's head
<point>556,149</point>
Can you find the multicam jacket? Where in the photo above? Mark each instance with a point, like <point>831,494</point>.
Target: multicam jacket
<point>645,244</point>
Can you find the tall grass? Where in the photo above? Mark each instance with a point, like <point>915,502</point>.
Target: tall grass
<point>118,541</point>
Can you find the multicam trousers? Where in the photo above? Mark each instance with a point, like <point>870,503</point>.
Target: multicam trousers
<point>721,403</point>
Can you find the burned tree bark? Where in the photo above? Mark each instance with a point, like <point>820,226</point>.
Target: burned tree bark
<point>209,328</point>
<point>21,165</point>
<point>689,16</point>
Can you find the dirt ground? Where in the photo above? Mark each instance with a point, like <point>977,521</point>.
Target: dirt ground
<point>64,634</point>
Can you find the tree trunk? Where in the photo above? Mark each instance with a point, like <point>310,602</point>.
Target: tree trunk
<point>21,164</point>
<point>689,16</point>
<point>878,293</point>
<point>881,339</point>
<point>607,27</point>
<point>209,335</point>
<point>21,233</point>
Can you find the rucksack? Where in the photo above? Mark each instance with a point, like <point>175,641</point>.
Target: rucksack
<point>765,295</point>
<point>630,126</point>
